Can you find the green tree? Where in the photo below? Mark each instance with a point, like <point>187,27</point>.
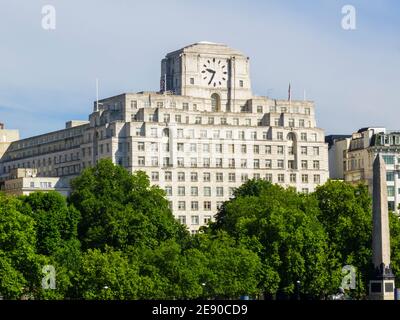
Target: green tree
<point>230,269</point>
<point>20,265</point>
<point>56,223</point>
<point>346,214</point>
<point>394,220</point>
<point>107,275</point>
<point>120,209</point>
<point>282,227</point>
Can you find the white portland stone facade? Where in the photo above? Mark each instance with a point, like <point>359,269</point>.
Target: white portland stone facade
<point>200,137</point>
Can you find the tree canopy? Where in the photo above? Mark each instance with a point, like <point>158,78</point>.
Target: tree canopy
<point>115,237</point>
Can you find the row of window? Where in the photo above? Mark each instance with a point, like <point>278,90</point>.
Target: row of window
<point>210,120</point>
<point>40,163</point>
<point>241,135</point>
<point>231,148</point>
<point>194,219</point>
<point>219,163</point>
<point>194,107</point>
<point>219,191</point>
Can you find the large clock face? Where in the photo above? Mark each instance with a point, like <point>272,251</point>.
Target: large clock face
<point>214,72</point>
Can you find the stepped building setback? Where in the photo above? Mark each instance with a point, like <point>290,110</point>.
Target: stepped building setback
<point>200,137</point>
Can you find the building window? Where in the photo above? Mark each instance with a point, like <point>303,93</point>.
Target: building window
<point>194,191</point>
<point>219,177</point>
<point>154,176</point>
<point>232,178</point>
<point>259,109</point>
<point>181,176</point>
<point>194,205</point>
<point>193,176</point>
<point>215,102</point>
<point>207,191</point>
<point>182,219</point>
<point>304,178</point>
<point>141,161</point>
<point>154,161</point>
<point>268,177</point>
<point>181,205</point>
<point>192,81</point>
<point>206,177</point>
<point>293,178</point>
<point>166,162</point>
<point>207,205</point>
<point>317,179</point>
<point>220,191</point>
<point>168,191</point>
<point>241,84</point>
<point>388,159</point>
<point>281,178</point>
<point>303,136</point>
<point>180,162</point>
<point>207,219</point>
<point>316,165</point>
<point>181,191</point>
<point>195,220</point>
<point>390,176</point>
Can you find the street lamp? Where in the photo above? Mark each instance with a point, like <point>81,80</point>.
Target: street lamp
<point>298,290</point>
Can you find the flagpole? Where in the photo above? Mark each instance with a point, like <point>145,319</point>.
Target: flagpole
<point>97,94</point>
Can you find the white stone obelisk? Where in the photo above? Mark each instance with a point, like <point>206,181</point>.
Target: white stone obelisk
<point>382,286</point>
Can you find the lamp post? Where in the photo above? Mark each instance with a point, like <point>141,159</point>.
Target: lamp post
<point>298,290</point>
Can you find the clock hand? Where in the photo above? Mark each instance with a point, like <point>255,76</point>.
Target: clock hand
<point>212,78</point>
<point>210,70</point>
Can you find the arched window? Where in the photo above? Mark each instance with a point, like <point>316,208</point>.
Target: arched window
<point>215,103</point>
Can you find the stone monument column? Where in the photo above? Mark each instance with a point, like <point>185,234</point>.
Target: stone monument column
<point>382,285</point>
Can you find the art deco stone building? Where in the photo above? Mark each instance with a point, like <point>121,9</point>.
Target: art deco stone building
<point>356,156</point>
<point>202,135</point>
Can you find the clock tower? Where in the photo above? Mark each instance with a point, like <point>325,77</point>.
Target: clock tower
<point>210,71</point>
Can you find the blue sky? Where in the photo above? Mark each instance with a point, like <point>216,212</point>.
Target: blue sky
<point>48,77</point>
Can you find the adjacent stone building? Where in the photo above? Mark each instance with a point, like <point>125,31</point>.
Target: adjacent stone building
<point>356,155</point>
<point>201,136</point>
